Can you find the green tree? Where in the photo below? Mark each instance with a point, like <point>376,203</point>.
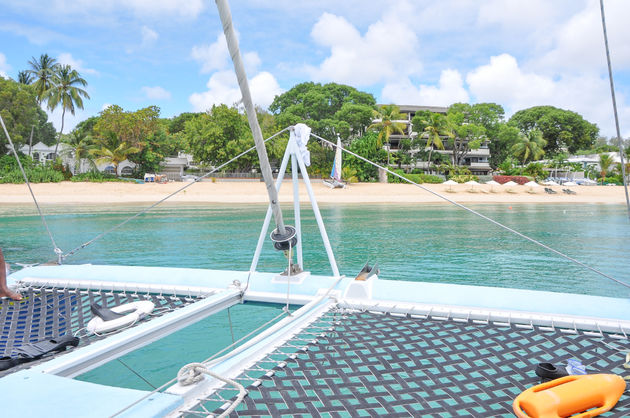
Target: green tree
<point>219,135</point>
<point>470,133</point>
<point>560,128</point>
<point>113,154</point>
<point>371,148</point>
<point>19,110</point>
<point>80,147</point>
<point>66,92</point>
<point>42,70</point>
<point>328,109</point>
<point>500,145</point>
<point>133,127</point>
<point>531,145</point>
<point>386,124</point>
<point>432,127</point>
<point>24,77</point>
<point>605,162</point>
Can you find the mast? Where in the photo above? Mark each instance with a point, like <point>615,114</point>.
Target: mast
<point>614,102</point>
<point>232,42</point>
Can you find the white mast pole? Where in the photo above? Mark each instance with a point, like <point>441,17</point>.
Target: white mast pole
<point>232,42</point>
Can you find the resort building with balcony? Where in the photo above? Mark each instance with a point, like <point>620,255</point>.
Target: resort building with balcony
<point>477,160</point>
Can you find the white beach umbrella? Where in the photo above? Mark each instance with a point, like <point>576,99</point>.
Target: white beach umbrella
<point>450,182</point>
<point>550,183</point>
<point>472,182</point>
<point>493,183</point>
<point>531,184</point>
<point>510,183</point>
<point>569,183</point>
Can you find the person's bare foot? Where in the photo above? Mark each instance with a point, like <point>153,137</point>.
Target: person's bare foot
<point>10,294</point>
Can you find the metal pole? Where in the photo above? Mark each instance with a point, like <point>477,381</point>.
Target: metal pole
<point>263,232</point>
<point>296,205</point>
<point>232,42</point>
<point>614,102</point>
<point>318,216</point>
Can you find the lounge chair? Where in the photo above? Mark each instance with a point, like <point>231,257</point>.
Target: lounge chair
<point>568,191</point>
<point>550,190</point>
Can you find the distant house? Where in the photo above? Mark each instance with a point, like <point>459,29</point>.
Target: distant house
<point>43,153</point>
<point>477,161</point>
<point>172,167</point>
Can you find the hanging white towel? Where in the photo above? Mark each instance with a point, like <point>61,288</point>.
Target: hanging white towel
<point>301,133</point>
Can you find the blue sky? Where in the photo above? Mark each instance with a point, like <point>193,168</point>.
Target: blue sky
<point>168,53</point>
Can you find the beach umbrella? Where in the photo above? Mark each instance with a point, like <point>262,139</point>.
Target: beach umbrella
<point>450,184</point>
<point>472,184</point>
<point>493,183</point>
<point>550,183</point>
<point>569,183</point>
<point>531,185</point>
<point>510,183</point>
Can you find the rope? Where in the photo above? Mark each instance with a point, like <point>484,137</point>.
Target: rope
<point>57,250</point>
<point>474,212</point>
<point>102,234</point>
<point>614,103</point>
<point>193,373</point>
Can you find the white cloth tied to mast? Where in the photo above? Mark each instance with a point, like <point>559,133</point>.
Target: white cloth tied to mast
<point>301,134</point>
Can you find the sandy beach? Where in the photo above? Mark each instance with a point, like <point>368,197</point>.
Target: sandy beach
<point>255,192</point>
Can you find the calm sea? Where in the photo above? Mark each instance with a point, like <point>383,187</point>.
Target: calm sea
<point>435,243</point>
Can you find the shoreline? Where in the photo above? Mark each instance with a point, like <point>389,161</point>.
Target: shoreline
<point>256,192</point>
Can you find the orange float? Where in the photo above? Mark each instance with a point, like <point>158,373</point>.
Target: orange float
<point>584,395</point>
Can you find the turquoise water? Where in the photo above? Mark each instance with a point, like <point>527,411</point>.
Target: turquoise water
<point>435,243</point>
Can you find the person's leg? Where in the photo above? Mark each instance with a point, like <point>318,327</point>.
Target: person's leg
<point>4,289</point>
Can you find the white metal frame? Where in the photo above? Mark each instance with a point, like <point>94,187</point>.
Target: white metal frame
<point>292,151</point>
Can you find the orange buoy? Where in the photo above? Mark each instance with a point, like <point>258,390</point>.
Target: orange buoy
<point>570,395</point>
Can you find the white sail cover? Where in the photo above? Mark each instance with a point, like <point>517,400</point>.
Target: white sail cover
<point>301,133</point>
<point>336,169</point>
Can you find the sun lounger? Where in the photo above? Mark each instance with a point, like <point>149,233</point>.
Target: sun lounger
<point>568,191</point>
<point>550,190</point>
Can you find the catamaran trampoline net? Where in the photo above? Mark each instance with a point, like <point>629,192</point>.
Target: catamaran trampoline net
<point>356,363</point>
<point>46,313</point>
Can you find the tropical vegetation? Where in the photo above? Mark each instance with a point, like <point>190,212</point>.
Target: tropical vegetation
<point>145,138</point>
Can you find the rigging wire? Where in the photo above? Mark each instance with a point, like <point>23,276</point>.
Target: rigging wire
<point>614,103</point>
<point>499,224</point>
<point>57,250</point>
<point>102,234</point>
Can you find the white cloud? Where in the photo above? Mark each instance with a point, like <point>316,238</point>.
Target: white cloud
<point>223,88</point>
<point>141,8</point>
<point>449,90</point>
<point>156,93</point>
<point>149,35</point>
<point>4,67</point>
<point>212,57</point>
<point>503,81</point>
<point>388,51</point>
<point>76,64</point>
<point>105,106</point>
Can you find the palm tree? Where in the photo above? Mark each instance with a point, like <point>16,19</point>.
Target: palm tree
<point>42,70</point>
<point>65,91</point>
<point>113,154</point>
<point>25,77</point>
<point>529,146</point>
<point>387,125</point>
<point>435,126</point>
<point>81,147</point>
<point>605,161</point>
